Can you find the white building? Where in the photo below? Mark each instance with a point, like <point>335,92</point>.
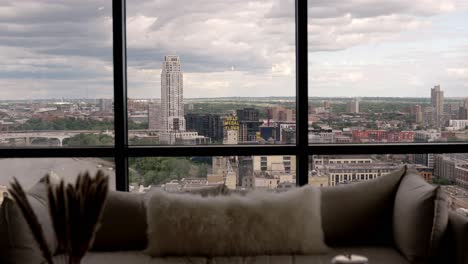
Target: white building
<point>458,124</point>
<point>430,135</point>
<point>183,138</point>
<point>172,99</point>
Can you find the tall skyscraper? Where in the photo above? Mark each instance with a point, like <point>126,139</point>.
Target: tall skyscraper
<point>463,110</point>
<point>172,95</point>
<point>437,101</point>
<point>353,106</point>
<point>418,112</point>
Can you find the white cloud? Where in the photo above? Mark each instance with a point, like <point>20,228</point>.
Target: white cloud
<point>228,48</point>
<point>458,72</point>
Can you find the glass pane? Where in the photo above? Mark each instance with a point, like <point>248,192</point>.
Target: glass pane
<point>448,170</point>
<point>239,173</point>
<point>29,171</point>
<point>215,72</point>
<point>392,74</point>
<point>56,73</point>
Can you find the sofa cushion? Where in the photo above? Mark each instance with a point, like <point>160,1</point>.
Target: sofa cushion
<point>17,243</point>
<point>123,224</point>
<point>380,255</point>
<point>258,223</point>
<point>420,217</point>
<point>354,214</point>
<point>133,257</point>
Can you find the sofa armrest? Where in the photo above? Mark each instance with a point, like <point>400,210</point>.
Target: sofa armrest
<point>456,239</point>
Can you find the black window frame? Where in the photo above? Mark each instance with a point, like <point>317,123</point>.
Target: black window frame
<point>122,151</point>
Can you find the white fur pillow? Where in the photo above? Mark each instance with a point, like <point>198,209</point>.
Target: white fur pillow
<point>259,223</point>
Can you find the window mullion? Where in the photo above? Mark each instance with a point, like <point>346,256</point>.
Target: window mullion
<point>120,93</point>
<point>302,97</point>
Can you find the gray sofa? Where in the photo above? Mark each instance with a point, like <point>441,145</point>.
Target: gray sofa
<point>356,218</point>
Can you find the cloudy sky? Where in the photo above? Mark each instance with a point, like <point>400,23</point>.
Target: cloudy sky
<point>62,48</point>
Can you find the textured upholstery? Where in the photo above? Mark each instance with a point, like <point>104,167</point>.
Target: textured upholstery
<point>456,240</point>
<point>123,224</point>
<point>354,214</point>
<point>255,224</point>
<point>378,255</point>
<point>420,218</point>
<point>17,244</point>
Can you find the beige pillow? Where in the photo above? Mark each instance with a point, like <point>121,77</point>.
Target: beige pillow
<point>17,244</point>
<point>360,214</point>
<point>259,223</point>
<point>123,223</point>
<point>420,217</point>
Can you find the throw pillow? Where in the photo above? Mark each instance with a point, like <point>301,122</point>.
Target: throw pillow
<point>360,213</point>
<point>258,223</point>
<point>123,224</point>
<point>420,217</point>
<point>16,240</point>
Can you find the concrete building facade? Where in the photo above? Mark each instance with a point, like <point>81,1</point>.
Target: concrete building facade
<point>172,99</point>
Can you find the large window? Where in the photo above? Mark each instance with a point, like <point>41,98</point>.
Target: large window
<point>397,74</point>
<point>215,72</point>
<point>56,74</point>
<point>238,92</point>
<point>237,173</point>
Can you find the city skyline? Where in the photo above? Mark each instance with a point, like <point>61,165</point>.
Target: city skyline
<point>235,48</point>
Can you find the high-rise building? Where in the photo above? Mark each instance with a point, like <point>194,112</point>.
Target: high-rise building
<point>249,124</point>
<point>154,116</point>
<point>463,113</point>
<point>463,110</point>
<point>105,105</point>
<point>437,102</point>
<point>208,125</point>
<point>418,112</point>
<point>172,99</point>
<point>282,114</point>
<point>353,106</point>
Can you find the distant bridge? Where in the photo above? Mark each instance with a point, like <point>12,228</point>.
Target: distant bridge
<point>29,136</point>
<point>60,135</point>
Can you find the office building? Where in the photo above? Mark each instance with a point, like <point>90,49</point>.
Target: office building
<point>172,99</point>
<point>282,114</point>
<point>437,102</point>
<point>154,116</point>
<point>105,105</point>
<point>274,165</point>
<point>249,125</point>
<point>419,115</point>
<point>353,106</point>
<point>208,125</point>
<point>458,124</point>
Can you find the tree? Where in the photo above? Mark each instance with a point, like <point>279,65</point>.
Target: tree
<point>89,140</point>
<point>159,170</point>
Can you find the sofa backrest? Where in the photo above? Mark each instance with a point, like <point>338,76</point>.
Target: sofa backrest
<point>360,213</point>
<point>354,214</point>
<point>123,224</point>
